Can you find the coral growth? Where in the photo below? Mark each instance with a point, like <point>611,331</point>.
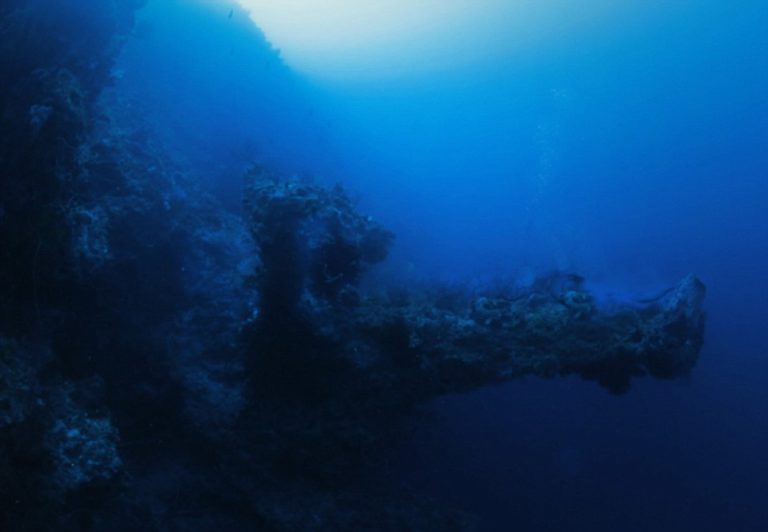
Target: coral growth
<point>552,328</point>
<point>83,448</point>
<point>310,239</point>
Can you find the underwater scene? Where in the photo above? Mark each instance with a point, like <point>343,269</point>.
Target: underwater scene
<point>383,265</point>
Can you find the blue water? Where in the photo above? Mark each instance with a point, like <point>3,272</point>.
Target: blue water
<point>634,154</point>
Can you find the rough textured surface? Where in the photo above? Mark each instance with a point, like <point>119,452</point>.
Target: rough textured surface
<point>55,58</point>
<point>429,346</point>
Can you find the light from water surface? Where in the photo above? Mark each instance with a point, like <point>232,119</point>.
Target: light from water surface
<point>382,38</point>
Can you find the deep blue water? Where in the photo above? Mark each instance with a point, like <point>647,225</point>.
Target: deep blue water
<point>634,154</point>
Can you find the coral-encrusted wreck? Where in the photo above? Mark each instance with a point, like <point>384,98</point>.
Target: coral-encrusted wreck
<point>331,366</point>
<point>313,248</point>
<point>168,365</point>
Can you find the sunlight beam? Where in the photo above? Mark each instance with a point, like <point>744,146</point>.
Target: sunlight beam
<point>379,38</point>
